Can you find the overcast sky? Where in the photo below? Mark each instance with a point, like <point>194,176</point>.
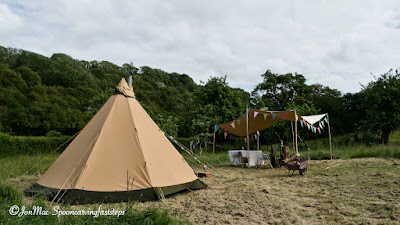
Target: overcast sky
<point>335,43</point>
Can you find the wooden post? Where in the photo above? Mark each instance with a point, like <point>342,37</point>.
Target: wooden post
<point>258,141</point>
<point>247,136</point>
<point>215,130</point>
<point>291,123</point>
<point>330,138</point>
<point>295,127</point>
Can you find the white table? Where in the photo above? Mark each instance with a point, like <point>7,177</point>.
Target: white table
<point>254,156</point>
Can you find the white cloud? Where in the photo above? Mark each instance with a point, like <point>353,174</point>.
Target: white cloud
<point>336,43</point>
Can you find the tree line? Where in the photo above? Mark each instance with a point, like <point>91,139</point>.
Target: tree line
<point>39,94</point>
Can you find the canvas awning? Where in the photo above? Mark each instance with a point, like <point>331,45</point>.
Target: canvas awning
<point>258,120</point>
<point>314,118</point>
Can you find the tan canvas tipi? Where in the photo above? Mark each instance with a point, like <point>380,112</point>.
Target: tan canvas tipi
<point>120,155</point>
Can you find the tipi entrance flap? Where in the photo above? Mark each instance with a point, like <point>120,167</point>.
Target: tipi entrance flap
<point>116,162</point>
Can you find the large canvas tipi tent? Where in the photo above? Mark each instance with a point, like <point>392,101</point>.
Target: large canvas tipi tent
<point>121,154</point>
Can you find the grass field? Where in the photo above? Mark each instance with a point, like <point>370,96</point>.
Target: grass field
<point>350,191</point>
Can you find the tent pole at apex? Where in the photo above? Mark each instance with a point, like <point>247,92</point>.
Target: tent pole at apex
<point>215,130</point>
<point>247,136</point>
<point>329,131</point>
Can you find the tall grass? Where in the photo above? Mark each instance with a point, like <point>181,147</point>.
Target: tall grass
<point>10,196</point>
<point>342,145</point>
<point>15,166</point>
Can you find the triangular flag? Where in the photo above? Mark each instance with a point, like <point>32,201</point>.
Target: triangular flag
<point>225,134</point>
<point>245,140</point>
<point>224,129</point>
<point>304,121</point>
<point>319,130</point>
<point>230,136</point>
<point>216,128</point>
<point>322,122</point>
<point>273,116</point>
<point>233,124</point>
<point>255,114</point>
<point>284,116</point>
<point>308,125</point>
<point>320,125</point>
<point>296,117</point>
<point>238,121</point>
<point>265,116</point>
<point>301,123</point>
<point>326,119</point>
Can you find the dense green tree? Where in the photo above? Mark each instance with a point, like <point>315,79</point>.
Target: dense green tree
<point>215,103</point>
<point>278,91</point>
<point>381,102</point>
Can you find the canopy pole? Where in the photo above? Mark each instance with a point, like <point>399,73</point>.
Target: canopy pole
<point>258,141</point>
<point>295,126</point>
<point>330,138</point>
<point>247,136</point>
<point>215,130</point>
<point>291,123</point>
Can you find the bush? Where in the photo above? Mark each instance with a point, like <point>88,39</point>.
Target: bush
<point>14,145</point>
<point>53,133</point>
<point>5,141</point>
<point>9,194</point>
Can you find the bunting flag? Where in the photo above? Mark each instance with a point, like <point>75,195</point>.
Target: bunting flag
<point>308,125</point>
<point>244,115</point>
<point>216,128</point>
<point>225,129</point>
<point>238,121</point>
<point>255,114</point>
<point>230,136</point>
<point>305,123</point>
<point>320,126</point>
<point>296,116</point>
<point>323,124</point>
<point>319,130</point>
<point>265,116</point>
<point>245,140</point>
<point>273,116</point>
<point>302,125</point>
<point>225,134</point>
<point>326,119</point>
<point>233,124</point>
<point>284,116</point>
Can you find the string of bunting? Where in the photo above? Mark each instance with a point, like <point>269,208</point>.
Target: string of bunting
<point>186,150</point>
<point>303,123</point>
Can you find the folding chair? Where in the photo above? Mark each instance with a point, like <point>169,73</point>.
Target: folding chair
<point>264,156</point>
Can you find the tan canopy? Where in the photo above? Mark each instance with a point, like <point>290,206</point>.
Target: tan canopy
<point>258,120</point>
<point>121,150</point>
